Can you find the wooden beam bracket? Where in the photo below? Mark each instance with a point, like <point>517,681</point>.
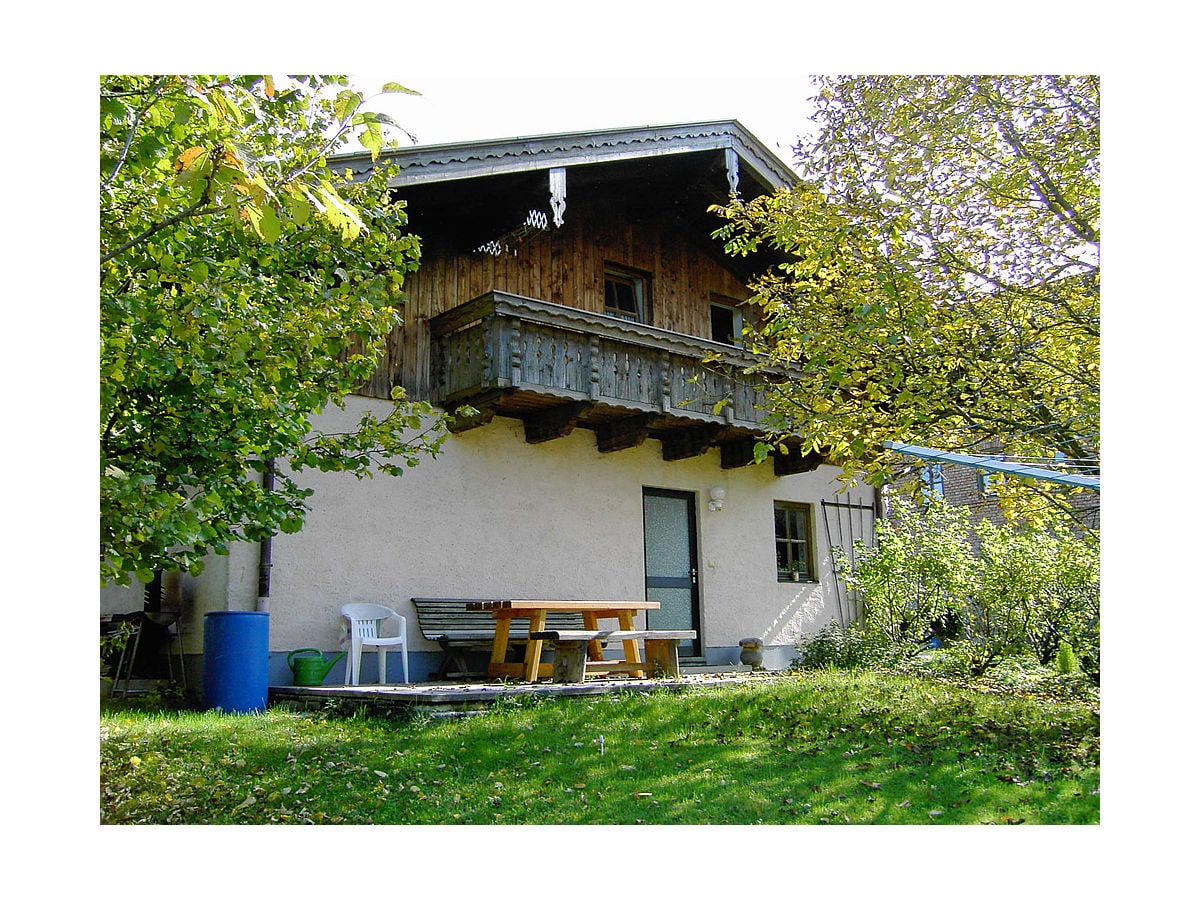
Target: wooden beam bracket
<point>552,423</point>
<point>457,424</point>
<point>689,442</point>
<point>737,453</point>
<point>794,462</point>
<point>623,433</point>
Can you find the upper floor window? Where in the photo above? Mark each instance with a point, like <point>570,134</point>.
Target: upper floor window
<point>726,320</point>
<point>625,295</point>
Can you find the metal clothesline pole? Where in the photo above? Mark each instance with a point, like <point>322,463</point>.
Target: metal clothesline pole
<point>994,465</point>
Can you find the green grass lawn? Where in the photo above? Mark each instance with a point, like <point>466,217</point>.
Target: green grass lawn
<point>810,748</point>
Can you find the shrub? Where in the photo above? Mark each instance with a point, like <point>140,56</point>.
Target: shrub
<point>1066,663</point>
<point>1026,590</point>
<point>918,574</point>
<point>948,661</point>
<point>1008,582</point>
<point>1019,671</point>
<point>1039,590</point>
<point>1067,606</point>
<point>835,647</point>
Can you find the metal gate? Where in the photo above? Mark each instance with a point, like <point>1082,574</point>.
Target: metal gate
<point>846,523</point>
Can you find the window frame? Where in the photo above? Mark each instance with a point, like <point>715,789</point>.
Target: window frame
<point>738,320</point>
<point>985,480</point>
<point>933,481</point>
<point>640,284</point>
<point>794,513</point>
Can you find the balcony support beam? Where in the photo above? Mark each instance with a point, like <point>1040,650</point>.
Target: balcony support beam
<point>623,434</point>
<point>457,424</point>
<point>794,462</point>
<point>689,442</point>
<point>555,422</point>
<point>737,453</point>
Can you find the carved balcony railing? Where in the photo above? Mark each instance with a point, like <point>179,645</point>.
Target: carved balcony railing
<point>556,367</point>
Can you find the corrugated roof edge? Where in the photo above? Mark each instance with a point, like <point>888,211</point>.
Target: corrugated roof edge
<point>471,159</point>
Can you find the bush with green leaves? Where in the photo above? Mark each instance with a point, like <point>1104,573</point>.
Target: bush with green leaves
<point>838,647</point>
<point>919,573</point>
<point>1066,663</point>
<point>1066,609</point>
<point>1027,590</point>
<point>951,660</point>
<point>999,613</point>
<point>1038,591</point>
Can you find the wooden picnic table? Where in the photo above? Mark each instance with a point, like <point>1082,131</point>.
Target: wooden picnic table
<point>536,610</point>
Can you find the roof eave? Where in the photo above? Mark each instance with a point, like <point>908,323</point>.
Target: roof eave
<point>474,159</point>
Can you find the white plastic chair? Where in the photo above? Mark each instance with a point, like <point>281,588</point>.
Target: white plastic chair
<point>366,626</point>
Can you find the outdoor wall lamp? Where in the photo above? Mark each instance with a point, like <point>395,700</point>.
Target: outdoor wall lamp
<point>716,500</point>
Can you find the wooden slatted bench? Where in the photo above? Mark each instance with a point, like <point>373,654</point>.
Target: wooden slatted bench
<point>459,630</point>
<point>570,651</point>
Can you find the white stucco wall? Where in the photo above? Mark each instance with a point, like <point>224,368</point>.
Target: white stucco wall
<point>228,582</point>
<point>121,598</point>
<point>494,516</point>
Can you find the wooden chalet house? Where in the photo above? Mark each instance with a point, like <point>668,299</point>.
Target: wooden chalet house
<point>570,291</point>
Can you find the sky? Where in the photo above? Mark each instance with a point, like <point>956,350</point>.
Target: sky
<point>460,105</point>
<point>522,68</point>
<point>532,67</point>
<point>510,68</point>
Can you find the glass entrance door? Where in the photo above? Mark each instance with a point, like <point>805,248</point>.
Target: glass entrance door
<point>670,528</point>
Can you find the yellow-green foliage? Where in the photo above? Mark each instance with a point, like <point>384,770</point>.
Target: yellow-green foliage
<point>940,278</point>
<point>244,287</point>
<point>1027,591</point>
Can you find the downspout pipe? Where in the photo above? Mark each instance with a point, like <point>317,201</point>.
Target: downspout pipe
<point>264,548</point>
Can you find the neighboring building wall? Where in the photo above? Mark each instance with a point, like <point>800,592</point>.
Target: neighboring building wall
<point>1087,505</point>
<point>963,489</point>
<point>966,486</point>
<point>495,516</point>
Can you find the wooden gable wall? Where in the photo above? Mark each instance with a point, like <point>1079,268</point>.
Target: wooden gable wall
<point>564,265</point>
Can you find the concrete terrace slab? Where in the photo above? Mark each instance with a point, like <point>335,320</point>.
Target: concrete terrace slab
<point>451,696</point>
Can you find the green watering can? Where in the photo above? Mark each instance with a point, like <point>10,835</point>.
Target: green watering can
<point>308,671</point>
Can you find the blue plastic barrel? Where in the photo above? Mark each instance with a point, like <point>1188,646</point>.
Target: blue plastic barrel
<point>235,661</point>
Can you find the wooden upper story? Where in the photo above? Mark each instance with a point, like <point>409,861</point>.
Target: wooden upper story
<point>572,280</point>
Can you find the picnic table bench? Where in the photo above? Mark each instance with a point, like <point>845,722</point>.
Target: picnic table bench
<point>532,616</point>
<point>458,630</point>
<point>571,662</point>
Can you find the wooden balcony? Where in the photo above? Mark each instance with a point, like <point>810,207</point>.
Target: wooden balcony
<point>556,368</point>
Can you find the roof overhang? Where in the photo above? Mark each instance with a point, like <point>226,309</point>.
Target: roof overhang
<point>450,162</point>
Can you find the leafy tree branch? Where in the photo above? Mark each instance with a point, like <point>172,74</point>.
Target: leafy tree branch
<point>939,281</point>
<point>245,288</point>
